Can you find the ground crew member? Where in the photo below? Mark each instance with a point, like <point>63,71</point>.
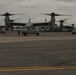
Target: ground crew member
<point>18,32</point>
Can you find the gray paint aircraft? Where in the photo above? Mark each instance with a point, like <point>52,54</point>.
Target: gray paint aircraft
<point>61,24</point>
<point>67,27</point>
<point>53,19</point>
<point>7,19</point>
<point>8,23</point>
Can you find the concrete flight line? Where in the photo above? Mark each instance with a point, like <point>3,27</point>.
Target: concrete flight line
<point>37,68</point>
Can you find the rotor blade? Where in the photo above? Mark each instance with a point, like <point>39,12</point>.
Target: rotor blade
<point>65,22</point>
<point>47,14</point>
<point>62,15</point>
<point>15,14</point>
<point>65,19</point>
<point>56,14</point>
<point>62,20</point>
<point>17,19</point>
<point>10,14</point>
<point>2,14</point>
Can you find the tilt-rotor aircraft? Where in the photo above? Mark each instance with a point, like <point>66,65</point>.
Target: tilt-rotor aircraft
<point>9,24</point>
<point>53,19</point>
<point>51,23</point>
<point>7,19</point>
<point>68,28</point>
<point>61,24</point>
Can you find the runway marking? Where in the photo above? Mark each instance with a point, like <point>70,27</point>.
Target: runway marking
<point>33,68</point>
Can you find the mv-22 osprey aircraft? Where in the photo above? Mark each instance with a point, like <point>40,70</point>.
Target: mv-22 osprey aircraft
<point>7,19</point>
<point>9,24</point>
<point>61,24</point>
<point>66,27</point>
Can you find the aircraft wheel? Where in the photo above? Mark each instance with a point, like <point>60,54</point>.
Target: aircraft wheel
<point>73,33</point>
<point>37,34</point>
<point>3,32</point>
<point>25,34</point>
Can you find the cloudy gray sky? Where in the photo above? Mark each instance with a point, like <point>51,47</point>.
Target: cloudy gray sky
<point>35,8</point>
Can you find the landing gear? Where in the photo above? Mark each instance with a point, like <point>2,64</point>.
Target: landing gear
<point>37,34</point>
<point>25,34</point>
<point>73,33</point>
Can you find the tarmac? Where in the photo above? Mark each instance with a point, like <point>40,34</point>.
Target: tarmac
<point>50,53</point>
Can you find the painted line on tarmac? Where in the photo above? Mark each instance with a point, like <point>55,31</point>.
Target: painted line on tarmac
<point>38,68</point>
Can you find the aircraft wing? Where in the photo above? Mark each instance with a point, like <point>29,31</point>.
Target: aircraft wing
<point>17,24</point>
<point>68,27</point>
<point>34,24</point>
<point>2,26</point>
<point>41,24</point>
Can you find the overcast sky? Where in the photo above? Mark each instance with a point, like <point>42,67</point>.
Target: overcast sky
<point>35,8</point>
